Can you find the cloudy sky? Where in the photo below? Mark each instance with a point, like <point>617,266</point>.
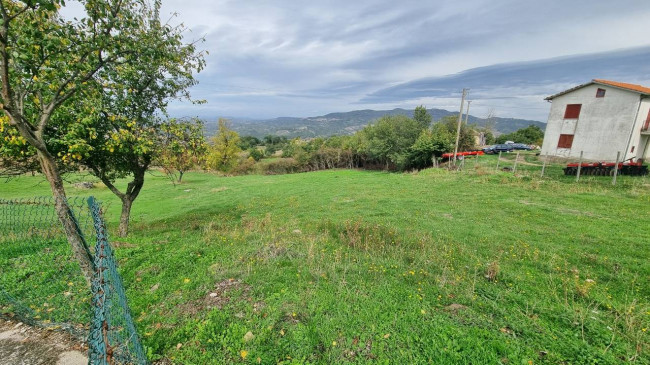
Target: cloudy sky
<point>308,58</point>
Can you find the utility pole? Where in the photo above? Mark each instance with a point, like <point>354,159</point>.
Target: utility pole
<point>460,120</point>
<point>467,112</point>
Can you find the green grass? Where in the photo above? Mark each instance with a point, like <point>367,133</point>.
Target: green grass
<point>448,267</point>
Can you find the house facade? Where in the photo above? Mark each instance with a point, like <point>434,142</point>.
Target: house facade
<point>599,118</point>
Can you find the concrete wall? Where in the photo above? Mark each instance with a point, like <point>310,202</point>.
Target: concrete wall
<point>603,127</point>
<point>641,142</point>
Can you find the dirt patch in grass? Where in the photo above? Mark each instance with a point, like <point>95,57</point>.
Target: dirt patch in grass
<point>218,297</point>
<point>23,344</point>
<point>455,308</point>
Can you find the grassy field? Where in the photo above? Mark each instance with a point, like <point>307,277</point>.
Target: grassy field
<point>343,266</point>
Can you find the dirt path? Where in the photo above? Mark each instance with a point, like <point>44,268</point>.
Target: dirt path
<point>21,344</point>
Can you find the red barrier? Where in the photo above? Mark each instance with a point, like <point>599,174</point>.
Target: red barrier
<point>469,153</point>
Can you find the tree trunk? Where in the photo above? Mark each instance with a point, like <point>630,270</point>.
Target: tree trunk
<point>132,192</point>
<point>180,175</point>
<point>64,213</point>
<point>127,203</point>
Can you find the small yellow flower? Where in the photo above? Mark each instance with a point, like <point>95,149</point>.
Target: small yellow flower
<point>243,354</point>
<point>186,280</point>
<point>333,343</point>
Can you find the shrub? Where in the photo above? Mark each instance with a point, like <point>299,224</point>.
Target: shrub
<point>245,166</point>
<point>280,166</point>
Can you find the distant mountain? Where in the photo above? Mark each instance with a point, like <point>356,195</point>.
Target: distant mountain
<point>350,122</point>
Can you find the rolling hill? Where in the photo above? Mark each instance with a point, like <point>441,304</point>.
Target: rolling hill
<point>350,122</point>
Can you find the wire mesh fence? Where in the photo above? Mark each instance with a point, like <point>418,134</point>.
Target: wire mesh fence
<point>113,337</point>
<point>41,282</point>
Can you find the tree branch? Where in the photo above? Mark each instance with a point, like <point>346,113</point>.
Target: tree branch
<point>107,181</point>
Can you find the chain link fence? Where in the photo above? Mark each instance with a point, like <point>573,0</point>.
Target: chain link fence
<point>113,337</point>
<point>41,282</point>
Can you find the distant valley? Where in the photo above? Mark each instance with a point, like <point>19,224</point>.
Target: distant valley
<point>350,122</point>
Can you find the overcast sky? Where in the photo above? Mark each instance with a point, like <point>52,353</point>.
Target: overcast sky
<point>308,58</point>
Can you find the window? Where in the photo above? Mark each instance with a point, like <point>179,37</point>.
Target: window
<point>566,140</point>
<point>646,125</point>
<point>600,93</point>
<point>632,149</point>
<point>572,111</point>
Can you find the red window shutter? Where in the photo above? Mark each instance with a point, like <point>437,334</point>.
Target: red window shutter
<point>566,141</point>
<point>646,125</point>
<point>572,111</point>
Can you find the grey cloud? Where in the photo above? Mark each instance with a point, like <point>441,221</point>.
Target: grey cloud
<point>270,58</point>
<point>627,65</point>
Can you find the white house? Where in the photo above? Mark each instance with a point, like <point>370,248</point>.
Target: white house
<point>599,118</point>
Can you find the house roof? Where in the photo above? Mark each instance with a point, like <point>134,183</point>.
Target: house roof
<point>643,90</point>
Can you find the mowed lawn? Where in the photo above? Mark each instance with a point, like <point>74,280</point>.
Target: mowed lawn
<point>349,266</point>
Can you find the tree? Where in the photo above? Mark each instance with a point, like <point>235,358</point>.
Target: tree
<point>466,141</point>
<point>114,128</point>
<point>430,144</point>
<point>274,143</point>
<point>529,135</point>
<point>422,116</point>
<point>255,153</point>
<point>45,61</point>
<point>224,152</point>
<point>182,146</point>
<point>247,142</point>
<point>387,141</point>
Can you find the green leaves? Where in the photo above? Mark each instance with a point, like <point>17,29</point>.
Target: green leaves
<point>182,146</point>
<point>422,116</point>
<point>389,139</point>
<point>529,135</point>
<point>224,152</point>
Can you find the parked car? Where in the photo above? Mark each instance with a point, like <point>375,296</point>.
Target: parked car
<point>521,146</point>
<point>502,148</point>
<point>489,150</point>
